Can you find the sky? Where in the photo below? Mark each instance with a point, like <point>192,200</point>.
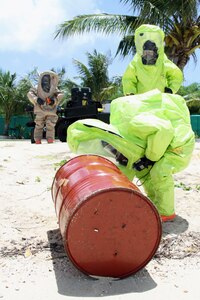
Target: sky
<point>27,31</point>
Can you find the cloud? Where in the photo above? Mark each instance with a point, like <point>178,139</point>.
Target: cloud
<point>29,25</point>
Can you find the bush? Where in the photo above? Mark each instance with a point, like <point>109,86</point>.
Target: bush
<point>194,106</point>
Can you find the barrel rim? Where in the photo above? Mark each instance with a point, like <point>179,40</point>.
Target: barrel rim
<point>75,158</point>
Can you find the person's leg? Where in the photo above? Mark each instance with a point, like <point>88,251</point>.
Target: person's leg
<point>147,185</point>
<point>158,185</point>
<point>39,125</point>
<point>50,127</point>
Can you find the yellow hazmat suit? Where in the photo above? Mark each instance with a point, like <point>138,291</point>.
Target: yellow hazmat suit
<point>154,125</point>
<point>150,67</point>
<point>45,98</point>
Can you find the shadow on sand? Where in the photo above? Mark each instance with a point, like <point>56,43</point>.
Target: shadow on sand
<point>72,282</point>
<point>177,226</point>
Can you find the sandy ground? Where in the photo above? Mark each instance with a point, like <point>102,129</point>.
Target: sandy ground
<point>33,264</point>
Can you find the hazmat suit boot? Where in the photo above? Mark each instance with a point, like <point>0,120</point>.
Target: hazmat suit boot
<point>38,142</point>
<point>50,141</point>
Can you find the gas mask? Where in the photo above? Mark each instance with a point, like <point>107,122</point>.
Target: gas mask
<point>150,53</point>
<point>46,83</point>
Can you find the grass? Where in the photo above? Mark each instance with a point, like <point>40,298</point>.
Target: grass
<point>185,187</point>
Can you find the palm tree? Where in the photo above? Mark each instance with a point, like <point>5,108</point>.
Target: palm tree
<point>13,97</point>
<point>7,97</point>
<point>179,19</point>
<point>96,76</point>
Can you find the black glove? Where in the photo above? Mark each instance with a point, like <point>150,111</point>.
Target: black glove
<point>50,101</point>
<point>122,160</point>
<point>168,90</point>
<point>142,163</point>
<point>40,101</point>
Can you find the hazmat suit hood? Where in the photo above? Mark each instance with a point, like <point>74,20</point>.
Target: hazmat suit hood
<point>149,42</point>
<point>47,84</point>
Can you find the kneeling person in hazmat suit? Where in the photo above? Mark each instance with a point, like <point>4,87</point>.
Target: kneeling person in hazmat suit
<point>45,98</point>
<point>150,137</point>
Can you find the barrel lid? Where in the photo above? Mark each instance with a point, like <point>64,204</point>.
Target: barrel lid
<point>113,233</point>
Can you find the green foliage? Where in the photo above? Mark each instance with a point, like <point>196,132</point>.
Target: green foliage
<point>185,187</point>
<point>60,164</point>
<point>12,97</point>
<point>194,106</point>
<point>37,179</point>
<point>95,76</point>
<point>190,91</point>
<point>191,94</point>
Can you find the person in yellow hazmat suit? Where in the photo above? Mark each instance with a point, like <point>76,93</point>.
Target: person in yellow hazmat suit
<point>150,67</point>
<point>45,98</point>
<point>151,138</point>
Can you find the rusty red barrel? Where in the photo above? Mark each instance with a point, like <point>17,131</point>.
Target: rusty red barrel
<point>109,227</point>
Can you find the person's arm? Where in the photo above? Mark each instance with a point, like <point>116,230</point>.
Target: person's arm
<point>174,76</point>
<point>58,96</point>
<point>157,132</point>
<point>32,96</point>
<point>129,80</point>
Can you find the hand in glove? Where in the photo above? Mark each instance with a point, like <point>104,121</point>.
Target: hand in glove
<point>40,101</point>
<point>50,101</point>
<point>168,90</point>
<point>142,163</point>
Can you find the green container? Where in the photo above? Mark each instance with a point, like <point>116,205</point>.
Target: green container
<point>195,122</point>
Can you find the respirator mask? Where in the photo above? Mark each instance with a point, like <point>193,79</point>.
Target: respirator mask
<point>150,53</point>
<point>46,83</point>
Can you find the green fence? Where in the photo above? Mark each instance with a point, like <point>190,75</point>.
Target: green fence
<point>17,128</point>
<point>195,122</point>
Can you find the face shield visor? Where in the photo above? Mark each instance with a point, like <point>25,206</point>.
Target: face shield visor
<point>150,53</point>
<point>46,83</point>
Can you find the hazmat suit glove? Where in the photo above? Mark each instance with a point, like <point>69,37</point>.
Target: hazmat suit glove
<point>40,101</point>
<point>168,90</point>
<point>50,101</point>
<point>142,163</point>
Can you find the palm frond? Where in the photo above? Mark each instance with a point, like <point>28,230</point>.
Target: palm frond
<point>82,69</point>
<point>102,23</point>
<point>126,46</point>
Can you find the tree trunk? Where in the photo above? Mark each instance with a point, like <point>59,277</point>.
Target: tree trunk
<point>6,128</point>
<point>182,61</point>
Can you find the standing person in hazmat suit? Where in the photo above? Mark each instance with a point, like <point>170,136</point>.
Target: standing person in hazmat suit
<point>45,98</point>
<point>150,67</point>
<point>150,136</point>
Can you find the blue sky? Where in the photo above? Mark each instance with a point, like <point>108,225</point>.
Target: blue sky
<point>27,29</point>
